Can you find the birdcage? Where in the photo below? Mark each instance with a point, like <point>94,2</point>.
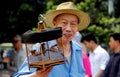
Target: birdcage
<point>46,52</point>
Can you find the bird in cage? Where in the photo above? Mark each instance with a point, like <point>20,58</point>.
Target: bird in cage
<point>47,51</point>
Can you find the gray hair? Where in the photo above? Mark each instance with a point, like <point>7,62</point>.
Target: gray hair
<point>18,37</point>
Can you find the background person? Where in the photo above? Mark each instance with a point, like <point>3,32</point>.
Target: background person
<point>99,57</point>
<point>17,54</point>
<point>71,20</point>
<point>77,38</point>
<point>86,61</point>
<point>113,67</point>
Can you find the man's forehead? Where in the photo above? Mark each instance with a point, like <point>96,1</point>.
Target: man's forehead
<point>65,16</point>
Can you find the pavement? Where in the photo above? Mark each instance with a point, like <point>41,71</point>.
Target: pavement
<point>4,73</point>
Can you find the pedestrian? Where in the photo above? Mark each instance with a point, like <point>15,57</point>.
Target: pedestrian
<point>98,56</point>
<point>71,20</point>
<point>16,54</point>
<point>113,67</point>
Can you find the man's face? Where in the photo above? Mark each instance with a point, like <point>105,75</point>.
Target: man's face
<point>69,24</point>
<point>112,43</point>
<point>87,45</point>
<point>16,43</point>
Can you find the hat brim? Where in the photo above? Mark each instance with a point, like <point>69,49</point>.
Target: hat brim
<point>84,18</point>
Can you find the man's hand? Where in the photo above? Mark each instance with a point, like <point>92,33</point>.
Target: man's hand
<point>39,73</point>
<point>43,72</point>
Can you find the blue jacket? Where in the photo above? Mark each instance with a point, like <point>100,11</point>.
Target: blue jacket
<point>74,69</point>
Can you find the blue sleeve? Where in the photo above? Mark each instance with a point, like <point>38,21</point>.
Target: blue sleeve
<point>23,70</point>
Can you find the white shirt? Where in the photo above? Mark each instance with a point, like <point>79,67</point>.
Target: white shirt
<point>98,59</point>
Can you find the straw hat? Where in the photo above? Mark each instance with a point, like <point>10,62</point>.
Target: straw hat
<point>68,7</point>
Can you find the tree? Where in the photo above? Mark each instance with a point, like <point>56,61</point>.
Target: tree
<point>101,22</point>
<point>18,16</point>
<point>23,15</point>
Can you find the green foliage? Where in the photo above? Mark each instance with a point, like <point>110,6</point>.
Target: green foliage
<point>101,23</point>
<point>101,33</point>
<point>18,16</point>
<point>34,29</point>
<point>23,15</point>
<point>26,7</point>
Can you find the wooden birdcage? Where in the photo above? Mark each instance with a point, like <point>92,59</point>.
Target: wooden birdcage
<point>49,53</point>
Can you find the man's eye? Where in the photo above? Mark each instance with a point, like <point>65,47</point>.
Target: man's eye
<point>64,22</point>
<point>74,23</point>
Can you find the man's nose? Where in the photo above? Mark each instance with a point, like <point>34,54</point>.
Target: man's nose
<point>68,27</point>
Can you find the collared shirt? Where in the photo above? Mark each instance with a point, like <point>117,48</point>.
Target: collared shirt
<point>98,59</point>
<point>113,67</point>
<point>74,69</point>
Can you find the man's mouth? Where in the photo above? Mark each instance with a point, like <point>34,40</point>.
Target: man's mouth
<point>67,35</point>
